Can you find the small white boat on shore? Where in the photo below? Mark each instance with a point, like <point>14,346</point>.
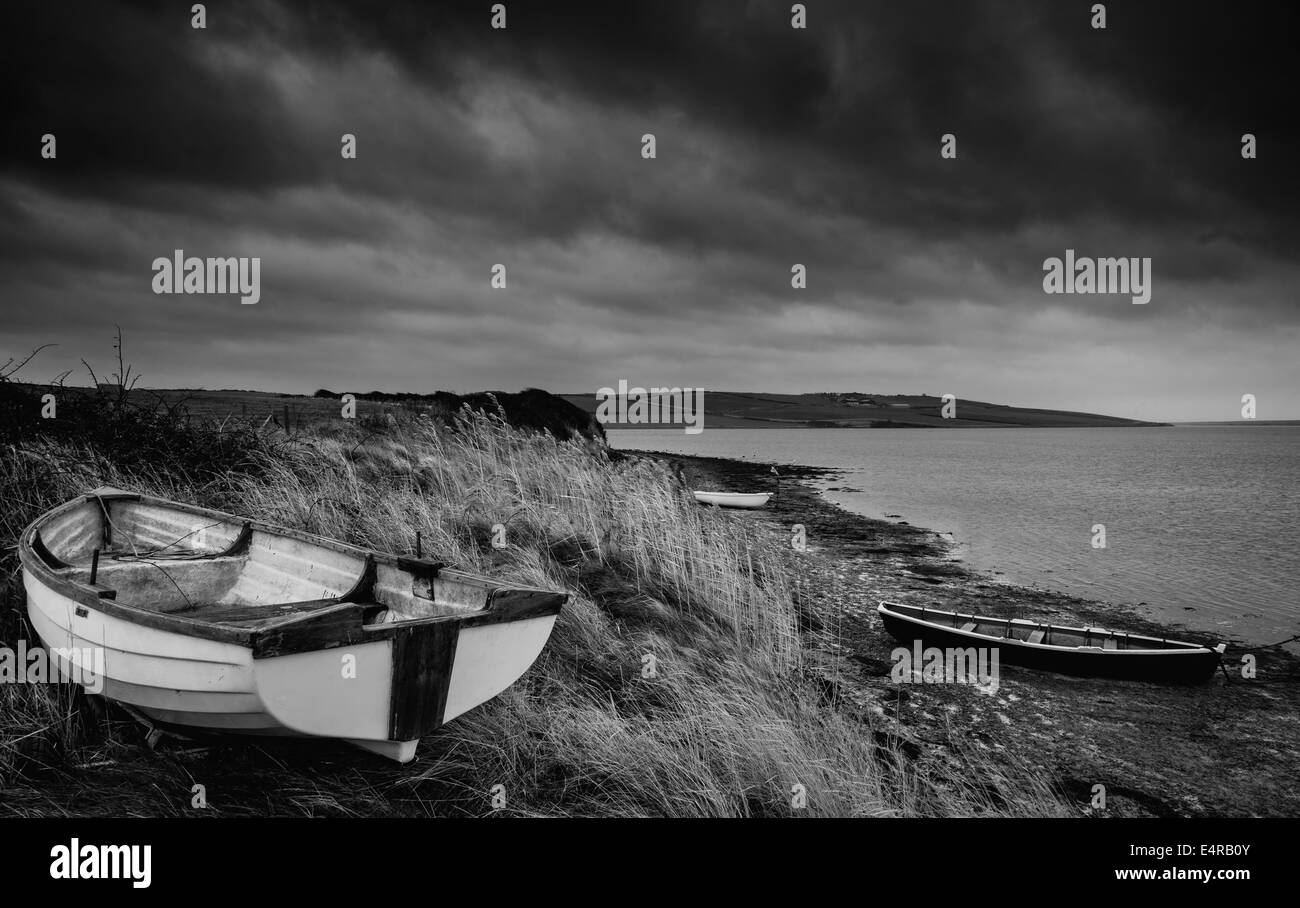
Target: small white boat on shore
<point>733,499</point>
<point>200,620</point>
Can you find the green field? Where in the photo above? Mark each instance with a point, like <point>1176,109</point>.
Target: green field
<point>727,409</point>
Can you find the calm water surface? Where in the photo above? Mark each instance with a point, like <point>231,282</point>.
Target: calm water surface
<point>1200,521</point>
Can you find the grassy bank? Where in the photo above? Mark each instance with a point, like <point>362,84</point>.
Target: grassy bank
<point>1226,748</point>
<point>679,681</point>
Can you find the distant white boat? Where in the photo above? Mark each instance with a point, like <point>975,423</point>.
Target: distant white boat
<point>733,499</point>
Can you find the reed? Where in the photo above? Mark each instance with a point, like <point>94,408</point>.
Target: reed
<point>675,684</point>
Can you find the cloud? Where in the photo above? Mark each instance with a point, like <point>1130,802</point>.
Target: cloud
<point>522,147</point>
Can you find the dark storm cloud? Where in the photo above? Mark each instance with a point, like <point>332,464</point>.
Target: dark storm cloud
<point>124,88</point>
<point>775,146</point>
<point>1137,122</point>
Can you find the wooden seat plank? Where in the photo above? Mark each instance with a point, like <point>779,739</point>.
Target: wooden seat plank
<point>238,614</point>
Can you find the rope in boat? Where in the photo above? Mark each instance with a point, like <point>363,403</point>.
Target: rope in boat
<point>188,602</point>
<point>193,556</point>
<point>135,552</point>
<point>137,557</point>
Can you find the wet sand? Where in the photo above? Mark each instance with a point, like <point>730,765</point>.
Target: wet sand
<point>1230,747</point>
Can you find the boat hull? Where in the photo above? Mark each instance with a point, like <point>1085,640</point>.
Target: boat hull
<point>380,686</point>
<point>733,499</point>
<point>1175,666</point>
<point>199,685</point>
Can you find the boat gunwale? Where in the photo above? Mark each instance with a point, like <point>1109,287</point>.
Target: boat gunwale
<point>1179,648</point>
<point>61,584</point>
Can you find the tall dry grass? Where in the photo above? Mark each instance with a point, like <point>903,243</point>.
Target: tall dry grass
<point>674,684</point>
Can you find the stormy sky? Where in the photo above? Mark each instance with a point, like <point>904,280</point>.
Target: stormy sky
<point>774,146</point>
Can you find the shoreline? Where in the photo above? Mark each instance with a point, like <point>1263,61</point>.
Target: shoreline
<point>1225,748</point>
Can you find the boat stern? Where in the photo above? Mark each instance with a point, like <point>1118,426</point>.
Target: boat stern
<point>384,686</point>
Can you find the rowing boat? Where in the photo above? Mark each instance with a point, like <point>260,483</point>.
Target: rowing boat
<point>204,621</point>
<point>733,499</point>
<point>1085,651</point>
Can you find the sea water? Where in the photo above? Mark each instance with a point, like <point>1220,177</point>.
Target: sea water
<point>1198,522</point>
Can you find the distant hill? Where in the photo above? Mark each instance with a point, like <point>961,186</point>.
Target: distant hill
<point>852,410</point>
<point>567,414</point>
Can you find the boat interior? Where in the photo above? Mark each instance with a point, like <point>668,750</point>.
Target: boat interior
<point>172,561</point>
<point>1035,632</point>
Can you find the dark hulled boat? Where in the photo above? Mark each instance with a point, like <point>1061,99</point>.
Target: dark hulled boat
<point>1084,651</point>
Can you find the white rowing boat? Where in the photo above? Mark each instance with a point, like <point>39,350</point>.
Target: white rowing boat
<point>201,620</point>
<point>733,499</point>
